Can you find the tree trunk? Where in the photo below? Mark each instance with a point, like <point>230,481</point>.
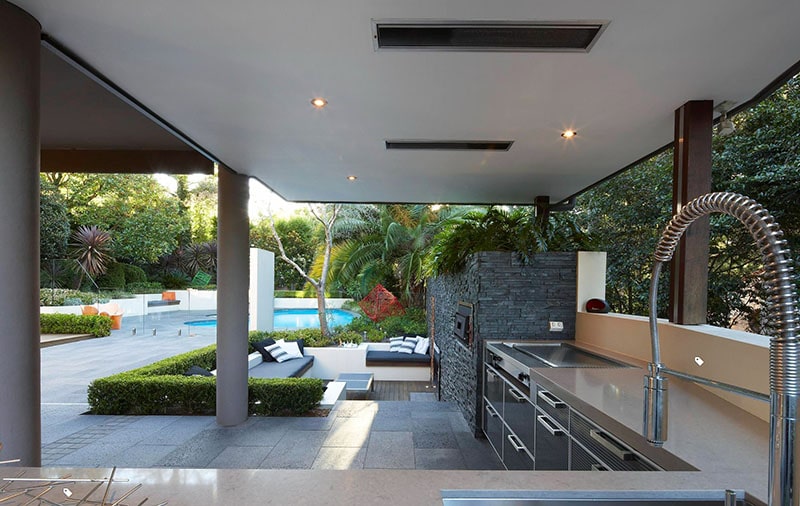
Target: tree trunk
<point>321,310</point>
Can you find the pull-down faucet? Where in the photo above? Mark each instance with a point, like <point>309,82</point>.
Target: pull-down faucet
<point>784,349</point>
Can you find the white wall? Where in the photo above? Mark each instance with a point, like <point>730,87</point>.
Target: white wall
<point>330,362</point>
<point>262,289</point>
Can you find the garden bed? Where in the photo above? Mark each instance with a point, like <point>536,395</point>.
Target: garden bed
<point>162,388</point>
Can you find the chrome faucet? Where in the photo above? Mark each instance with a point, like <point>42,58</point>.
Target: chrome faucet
<point>784,349</point>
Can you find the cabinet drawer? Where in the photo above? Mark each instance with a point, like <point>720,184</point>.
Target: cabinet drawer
<point>554,407</point>
<point>519,414</point>
<point>581,460</point>
<point>493,428</point>
<point>613,452</point>
<point>493,386</point>
<point>552,444</point>
<point>515,453</point>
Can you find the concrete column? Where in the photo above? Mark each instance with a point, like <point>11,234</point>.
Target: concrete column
<point>262,289</point>
<point>691,178</point>
<point>233,276</point>
<point>20,412</point>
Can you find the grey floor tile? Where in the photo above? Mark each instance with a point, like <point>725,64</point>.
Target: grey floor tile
<point>198,451</point>
<point>438,458</point>
<point>399,421</point>
<point>181,430</point>
<point>423,397</point>
<point>240,457</point>
<point>296,450</point>
<point>142,455</point>
<point>340,458</point>
<point>390,450</point>
<point>426,439</point>
<point>436,425</point>
<point>349,432</point>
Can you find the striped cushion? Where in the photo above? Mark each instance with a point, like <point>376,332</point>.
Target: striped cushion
<point>408,345</point>
<point>395,343</point>
<point>278,353</point>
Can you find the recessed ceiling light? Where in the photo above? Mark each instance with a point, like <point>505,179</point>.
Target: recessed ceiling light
<point>352,178</point>
<point>569,134</point>
<point>319,102</point>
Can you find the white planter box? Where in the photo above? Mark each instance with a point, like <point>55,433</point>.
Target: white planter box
<point>330,362</point>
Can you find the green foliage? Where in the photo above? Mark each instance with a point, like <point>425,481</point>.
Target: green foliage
<point>175,280</point>
<point>114,276</point>
<point>301,236</point>
<point>134,274</point>
<point>348,336</point>
<point>413,322</point>
<point>65,297</point>
<point>143,218</point>
<point>90,246</point>
<point>202,202</point>
<point>310,337</point>
<point>161,388</point>
<point>98,326</point>
<point>500,229</point>
<point>290,294</point>
<point>145,287</point>
<point>53,222</point>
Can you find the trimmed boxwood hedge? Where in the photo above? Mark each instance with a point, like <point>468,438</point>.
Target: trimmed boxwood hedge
<point>96,325</point>
<point>161,388</point>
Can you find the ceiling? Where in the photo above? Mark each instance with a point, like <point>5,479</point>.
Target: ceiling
<point>237,77</point>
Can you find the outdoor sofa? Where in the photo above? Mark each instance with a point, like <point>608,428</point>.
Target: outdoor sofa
<point>262,364</point>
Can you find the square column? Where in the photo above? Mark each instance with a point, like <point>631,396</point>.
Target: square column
<point>20,409</point>
<point>233,277</point>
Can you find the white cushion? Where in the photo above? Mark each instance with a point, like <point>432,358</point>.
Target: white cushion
<point>292,349</point>
<point>422,346</point>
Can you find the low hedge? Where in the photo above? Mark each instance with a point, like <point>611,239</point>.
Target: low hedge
<point>161,388</point>
<point>96,325</point>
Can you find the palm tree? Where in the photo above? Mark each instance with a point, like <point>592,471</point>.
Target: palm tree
<point>391,247</point>
<point>90,248</point>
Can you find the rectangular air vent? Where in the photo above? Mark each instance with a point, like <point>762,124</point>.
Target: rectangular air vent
<point>450,145</point>
<point>533,36</point>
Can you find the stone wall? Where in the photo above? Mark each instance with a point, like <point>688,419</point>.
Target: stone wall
<point>511,300</point>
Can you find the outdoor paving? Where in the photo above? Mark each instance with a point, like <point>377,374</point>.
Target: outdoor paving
<point>418,434</point>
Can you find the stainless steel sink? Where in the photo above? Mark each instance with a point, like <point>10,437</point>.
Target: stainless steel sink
<point>593,498</point>
<point>564,355</point>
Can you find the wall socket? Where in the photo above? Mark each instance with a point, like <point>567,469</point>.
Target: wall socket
<point>556,326</point>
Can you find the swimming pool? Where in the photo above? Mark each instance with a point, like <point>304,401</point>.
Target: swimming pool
<point>292,319</point>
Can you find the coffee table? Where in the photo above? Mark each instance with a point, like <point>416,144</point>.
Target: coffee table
<point>357,383</point>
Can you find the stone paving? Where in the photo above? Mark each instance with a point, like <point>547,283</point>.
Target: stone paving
<point>420,434</point>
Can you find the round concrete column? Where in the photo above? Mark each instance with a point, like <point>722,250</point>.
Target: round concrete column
<point>20,411</point>
<point>233,281</point>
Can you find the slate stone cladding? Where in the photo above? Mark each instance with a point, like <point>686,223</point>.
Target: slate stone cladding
<point>511,300</point>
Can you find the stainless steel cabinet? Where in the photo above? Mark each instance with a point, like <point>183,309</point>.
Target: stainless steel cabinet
<point>552,444</point>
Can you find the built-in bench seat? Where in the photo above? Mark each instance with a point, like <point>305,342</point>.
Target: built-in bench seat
<point>293,368</point>
<point>159,303</point>
<point>377,357</point>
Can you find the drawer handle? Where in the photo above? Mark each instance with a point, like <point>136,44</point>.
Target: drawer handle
<point>609,444</point>
<point>599,467</point>
<point>548,424</point>
<point>492,412</point>
<point>516,443</point>
<point>491,373</point>
<point>551,399</point>
<point>519,396</point>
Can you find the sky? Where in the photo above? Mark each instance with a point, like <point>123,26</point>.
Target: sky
<point>261,197</point>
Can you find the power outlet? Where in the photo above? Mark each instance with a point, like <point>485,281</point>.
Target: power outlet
<point>556,326</point>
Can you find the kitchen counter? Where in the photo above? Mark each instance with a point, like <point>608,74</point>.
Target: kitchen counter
<point>726,444</point>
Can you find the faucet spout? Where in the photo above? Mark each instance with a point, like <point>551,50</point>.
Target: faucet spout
<point>784,347</point>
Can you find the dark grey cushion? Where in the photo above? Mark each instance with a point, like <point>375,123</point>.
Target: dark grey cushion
<point>388,356</point>
<point>196,370</point>
<point>293,368</point>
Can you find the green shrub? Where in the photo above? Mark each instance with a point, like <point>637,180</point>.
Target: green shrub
<point>361,324</point>
<point>290,294</point>
<point>348,336</point>
<point>145,287</point>
<point>413,322</point>
<point>175,280</point>
<point>310,337</point>
<point>161,388</point>
<point>98,326</point>
<point>353,307</point>
<point>114,277</point>
<point>134,274</point>
<point>65,297</point>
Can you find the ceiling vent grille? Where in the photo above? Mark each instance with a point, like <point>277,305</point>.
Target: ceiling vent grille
<point>532,36</point>
<point>450,145</point>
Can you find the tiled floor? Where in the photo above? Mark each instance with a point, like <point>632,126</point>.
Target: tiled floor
<point>417,434</point>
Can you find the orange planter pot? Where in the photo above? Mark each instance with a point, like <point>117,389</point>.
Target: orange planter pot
<point>167,295</point>
<point>116,321</point>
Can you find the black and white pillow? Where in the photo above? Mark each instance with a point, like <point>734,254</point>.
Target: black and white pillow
<point>395,343</point>
<point>408,345</point>
<point>261,347</point>
<point>278,353</point>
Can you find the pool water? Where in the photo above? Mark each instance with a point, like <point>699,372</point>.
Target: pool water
<point>293,319</point>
